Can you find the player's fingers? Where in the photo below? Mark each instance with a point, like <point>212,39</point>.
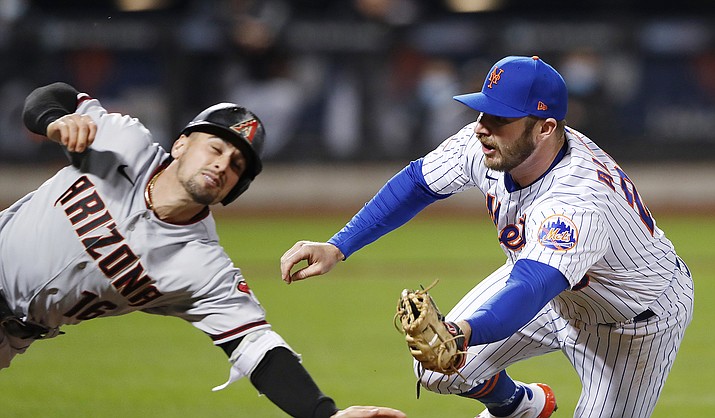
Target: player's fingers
<point>321,257</point>
<point>75,132</point>
<point>81,132</point>
<point>297,276</point>
<point>69,135</point>
<point>79,136</point>
<point>369,412</point>
<point>290,258</point>
<point>58,131</point>
<point>86,131</point>
<point>318,263</point>
<point>311,270</point>
<point>288,254</point>
<point>383,412</point>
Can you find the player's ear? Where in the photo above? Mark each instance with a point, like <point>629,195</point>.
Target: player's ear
<point>179,146</point>
<point>548,127</point>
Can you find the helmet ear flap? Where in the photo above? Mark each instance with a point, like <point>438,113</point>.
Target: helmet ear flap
<point>237,190</point>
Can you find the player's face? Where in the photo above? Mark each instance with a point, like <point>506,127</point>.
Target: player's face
<point>209,167</point>
<point>506,142</point>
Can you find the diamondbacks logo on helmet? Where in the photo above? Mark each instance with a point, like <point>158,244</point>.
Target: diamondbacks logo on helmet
<point>558,233</point>
<point>247,129</point>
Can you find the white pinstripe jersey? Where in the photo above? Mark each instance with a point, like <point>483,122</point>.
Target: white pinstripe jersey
<point>85,245</point>
<point>583,217</point>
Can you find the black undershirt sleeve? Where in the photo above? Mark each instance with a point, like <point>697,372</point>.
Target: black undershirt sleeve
<point>282,378</point>
<point>230,346</point>
<point>47,104</point>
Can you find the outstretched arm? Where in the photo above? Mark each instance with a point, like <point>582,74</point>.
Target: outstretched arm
<point>529,288</point>
<point>282,378</point>
<point>398,201</point>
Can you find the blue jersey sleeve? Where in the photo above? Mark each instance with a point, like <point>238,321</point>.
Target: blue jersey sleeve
<point>398,201</point>
<point>529,288</point>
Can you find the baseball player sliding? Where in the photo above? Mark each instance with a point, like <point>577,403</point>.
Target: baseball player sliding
<point>587,271</point>
<point>127,227</point>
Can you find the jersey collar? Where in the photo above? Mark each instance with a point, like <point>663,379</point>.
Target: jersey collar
<point>512,186</point>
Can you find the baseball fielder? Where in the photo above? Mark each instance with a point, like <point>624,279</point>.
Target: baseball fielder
<point>127,227</point>
<point>587,271</point>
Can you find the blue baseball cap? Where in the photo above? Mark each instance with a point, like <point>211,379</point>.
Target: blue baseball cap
<point>518,87</point>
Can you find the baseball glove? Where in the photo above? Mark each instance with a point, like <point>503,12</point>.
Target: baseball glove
<point>438,345</point>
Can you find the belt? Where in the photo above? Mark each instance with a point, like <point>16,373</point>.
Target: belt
<point>680,265</point>
<point>18,328</point>
<point>643,315</point>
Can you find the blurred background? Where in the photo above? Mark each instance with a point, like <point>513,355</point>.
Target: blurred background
<point>364,81</point>
<point>349,92</point>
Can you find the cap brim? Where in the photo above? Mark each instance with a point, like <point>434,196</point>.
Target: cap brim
<point>483,103</point>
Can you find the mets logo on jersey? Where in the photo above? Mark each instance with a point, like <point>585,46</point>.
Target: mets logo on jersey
<point>558,232</point>
<point>247,129</point>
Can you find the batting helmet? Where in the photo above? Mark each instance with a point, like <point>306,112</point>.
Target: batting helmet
<point>241,128</point>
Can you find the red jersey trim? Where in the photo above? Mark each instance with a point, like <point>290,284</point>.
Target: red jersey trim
<point>238,330</point>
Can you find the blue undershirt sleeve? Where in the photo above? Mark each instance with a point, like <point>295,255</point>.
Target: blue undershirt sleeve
<point>398,201</point>
<point>529,288</point>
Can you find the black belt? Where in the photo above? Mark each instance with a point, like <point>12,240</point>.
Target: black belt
<point>680,265</point>
<point>18,328</point>
<point>643,315</point>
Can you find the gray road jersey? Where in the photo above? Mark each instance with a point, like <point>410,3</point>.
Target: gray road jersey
<point>84,244</point>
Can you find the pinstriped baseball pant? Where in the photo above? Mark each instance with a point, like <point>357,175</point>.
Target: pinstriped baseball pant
<point>622,367</point>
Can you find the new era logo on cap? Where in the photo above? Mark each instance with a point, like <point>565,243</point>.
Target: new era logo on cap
<point>521,86</point>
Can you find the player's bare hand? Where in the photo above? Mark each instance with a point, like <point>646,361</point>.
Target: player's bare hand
<point>369,412</point>
<point>321,257</point>
<point>75,132</point>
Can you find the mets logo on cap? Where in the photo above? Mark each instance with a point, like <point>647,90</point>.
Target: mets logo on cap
<point>558,233</point>
<point>247,129</point>
<point>495,76</point>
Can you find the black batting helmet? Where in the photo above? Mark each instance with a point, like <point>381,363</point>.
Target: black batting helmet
<point>241,128</point>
